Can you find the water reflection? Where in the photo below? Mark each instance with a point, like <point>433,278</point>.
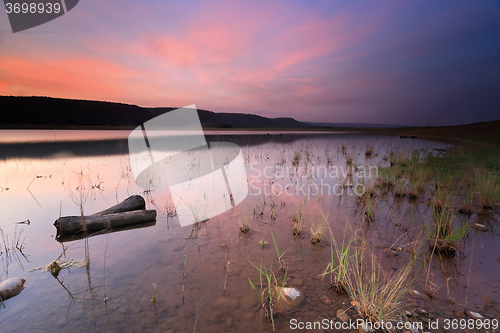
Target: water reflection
<point>125,270</point>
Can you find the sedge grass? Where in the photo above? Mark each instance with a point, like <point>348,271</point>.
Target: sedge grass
<point>375,297</point>
<point>281,261</point>
<point>298,219</point>
<point>245,223</point>
<point>338,273</point>
<point>487,188</point>
<point>443,237</point>
<point>270,296</point>
<point>318,230</point>
<point>468,198</point>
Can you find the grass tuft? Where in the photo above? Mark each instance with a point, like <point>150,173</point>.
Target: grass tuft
<point>318,230</point>
<point>245,223</point>
<point>488,189</point>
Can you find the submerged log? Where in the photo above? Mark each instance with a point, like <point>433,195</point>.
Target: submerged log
<point>128,214</point>
<point>68,237</point>
<point>73,224</point>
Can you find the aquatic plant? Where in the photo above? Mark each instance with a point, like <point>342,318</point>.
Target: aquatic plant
<point>444,194</point>
<point>183,278</point>
<point>244,223</point>
<point>171,210</point>
<point>443,237</point>
<point>263,242</point>
<point>369,150</point>
<point>298,219</point>
<point>270,296</point>
<point>468,198</point>
<point>369,209</point>
<point>281,261</point>
<point>488,189</point>
<point>375,297</point>
<point>296,160</point>
<point>338,273</point>
<point>318,230</point>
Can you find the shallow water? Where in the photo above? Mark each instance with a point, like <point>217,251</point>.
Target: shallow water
<point>42,179</point>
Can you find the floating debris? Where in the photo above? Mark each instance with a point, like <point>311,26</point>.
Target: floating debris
<point>56,266</point>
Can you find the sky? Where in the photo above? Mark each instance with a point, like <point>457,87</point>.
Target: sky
<point>405,62</point>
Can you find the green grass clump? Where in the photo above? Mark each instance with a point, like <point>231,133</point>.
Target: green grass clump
<point>338,273</point>
<point>270,287</point>
<point>376,298</point>
<point>443,237</point>
<point>488,189</point>
<point>318,230</point>
<point>298,219</point>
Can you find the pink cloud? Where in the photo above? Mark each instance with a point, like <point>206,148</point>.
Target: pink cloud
<point>82,78</point>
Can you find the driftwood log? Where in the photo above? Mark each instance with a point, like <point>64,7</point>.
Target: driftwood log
<point>128,214</point>
<point>134,202</point>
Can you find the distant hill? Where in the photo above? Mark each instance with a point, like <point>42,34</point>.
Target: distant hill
<point>487,130</point>
<point>352,125</point>
<point>20,112</point>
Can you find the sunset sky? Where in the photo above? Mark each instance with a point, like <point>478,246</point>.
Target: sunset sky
<point>407,62</point>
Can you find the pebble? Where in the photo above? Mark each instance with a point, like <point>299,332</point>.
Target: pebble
<point>325,300</point>
<point>249,316</point>
<point>249,301</point>
<point>390,252</point>
<point>479,226</point>
<point>489,301</point>
<point>474,315</point>
<point>11,287</point>
<point>420,294</point>
<point>290,298</point>
<point>342,315</point>
<point>421,312</point>
<point>225,303</point>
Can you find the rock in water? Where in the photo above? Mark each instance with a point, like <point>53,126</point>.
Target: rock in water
<point>479,226</point>
<point>390,252</point>
<point>11,287</point>
<point>474,315</point>
<point>342,315</point>
<point>289,298</point>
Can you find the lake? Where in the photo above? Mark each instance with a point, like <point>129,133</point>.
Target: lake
<point>168,278</point>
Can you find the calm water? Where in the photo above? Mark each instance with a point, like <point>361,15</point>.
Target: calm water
<point>43,174</point>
